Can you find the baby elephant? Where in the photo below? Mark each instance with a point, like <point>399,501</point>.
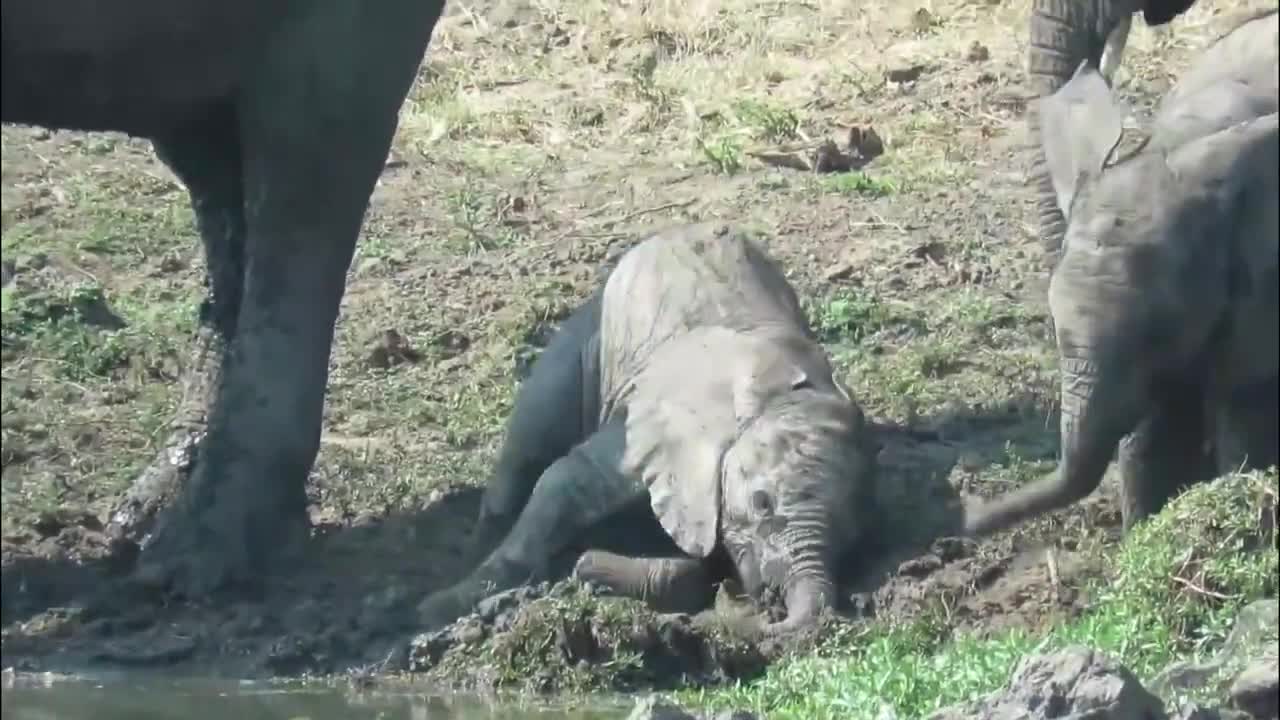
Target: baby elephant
<point>691,377</point>
<point>1165,301</point>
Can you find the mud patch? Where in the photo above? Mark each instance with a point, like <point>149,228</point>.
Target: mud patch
<point>345,605</point>
<point>568,637</point>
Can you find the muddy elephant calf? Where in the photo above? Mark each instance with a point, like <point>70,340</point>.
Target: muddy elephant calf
<point>693,377</point>
<point>1167,299</point>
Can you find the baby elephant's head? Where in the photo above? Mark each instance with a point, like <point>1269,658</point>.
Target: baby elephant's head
<point>795,486</point>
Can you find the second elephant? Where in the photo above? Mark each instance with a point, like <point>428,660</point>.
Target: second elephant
<point>691,377</point>
<point>1063,33</point>
<point>1167,299</point>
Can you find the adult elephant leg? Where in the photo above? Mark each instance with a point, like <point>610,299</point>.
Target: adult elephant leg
<point>206,157</point>
<point>1167,452</point>
<point>555,408</point>
<point>315,127</point>
<point>1062,34</point>
<point>1248,428</point>
<point>577,491</point>
<point>669,584</point>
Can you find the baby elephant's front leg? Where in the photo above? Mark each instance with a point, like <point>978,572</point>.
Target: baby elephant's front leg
<point>673,584</point>
<point>577,491</point>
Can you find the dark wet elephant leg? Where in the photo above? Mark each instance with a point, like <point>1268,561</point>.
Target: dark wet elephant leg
<point>1166,453</point>
<point>556,407</point>
<point>667,584</point>
<point>577,491</point>
<point>1248,429</point>
<point>206,158</point>
<point>315,127</point>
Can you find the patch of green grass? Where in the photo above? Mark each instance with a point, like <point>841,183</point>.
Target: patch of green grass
<point>845,317</point>
<point>723,153</point>
<point>725,134</point>
<point>573,642</point>
<point>477,221</point>
<point>766,120</point>
<point>859,183</point>
<point>1169,592</point>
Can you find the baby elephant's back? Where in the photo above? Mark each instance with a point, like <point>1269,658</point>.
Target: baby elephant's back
<point>694,276</point>
<point>1248,55</point>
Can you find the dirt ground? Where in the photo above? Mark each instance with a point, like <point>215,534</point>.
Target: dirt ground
<point>541,141</point>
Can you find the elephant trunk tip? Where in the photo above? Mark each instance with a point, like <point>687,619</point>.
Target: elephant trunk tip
<point>806,601</point>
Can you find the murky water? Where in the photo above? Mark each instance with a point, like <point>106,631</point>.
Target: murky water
<point>47,697</point>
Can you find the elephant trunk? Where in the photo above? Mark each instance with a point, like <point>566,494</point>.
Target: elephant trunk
<point>807,585</point>
<point>806,597</point>
<point>1087,436</point>
<point>1062,34</point>
<point>1097,411</point>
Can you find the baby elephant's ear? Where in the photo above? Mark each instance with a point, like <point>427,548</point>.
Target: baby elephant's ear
<point>680,421</point>
<point>1080,127</point>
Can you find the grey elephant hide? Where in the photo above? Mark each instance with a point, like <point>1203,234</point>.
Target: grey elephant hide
<point>1166,298</point>
<point>716,400</point>
<point>277,117</point>
<point>1061,35</point>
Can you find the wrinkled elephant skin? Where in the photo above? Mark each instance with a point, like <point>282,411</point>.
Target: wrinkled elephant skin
<point>1063,33</point>
<point>691,377</point>
<point>1166,298</point>
<point>277,116</point>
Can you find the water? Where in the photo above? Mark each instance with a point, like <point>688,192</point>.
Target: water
<point>43,696</point>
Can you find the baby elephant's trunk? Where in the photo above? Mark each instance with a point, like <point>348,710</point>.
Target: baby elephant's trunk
<point>806,598</point>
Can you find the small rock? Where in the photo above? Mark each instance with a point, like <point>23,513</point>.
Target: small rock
<point>919,567</point>
<point>865,143</point>
<point>839,271</point>
<point>1256,690</point>
<point>907,74</point>
<point>1072,682</point>
<point>1252,636</point>
<point>978,52</point>
<point>391,348</point>
<point>921,20</point>
<point>655,708</point>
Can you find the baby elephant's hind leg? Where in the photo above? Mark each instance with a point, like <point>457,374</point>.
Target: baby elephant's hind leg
<point>669,584</point>
<point>577,491</point>
<point>555,409</point>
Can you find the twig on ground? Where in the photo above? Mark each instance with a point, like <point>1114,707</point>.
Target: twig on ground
<point>1199,589</point>
<point>1052,561</point>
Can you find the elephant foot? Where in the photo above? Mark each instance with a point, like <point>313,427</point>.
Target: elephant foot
<point>442,608</point>
<point>220,539</point>
<point>496,575</point>
<point>485,538</point>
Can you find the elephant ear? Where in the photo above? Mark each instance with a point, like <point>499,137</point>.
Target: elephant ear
<point>768,368</point>
<point>680,420</point>
<point>1080,127</point>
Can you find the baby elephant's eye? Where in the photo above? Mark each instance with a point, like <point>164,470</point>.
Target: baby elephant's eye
<point>761,502</point>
